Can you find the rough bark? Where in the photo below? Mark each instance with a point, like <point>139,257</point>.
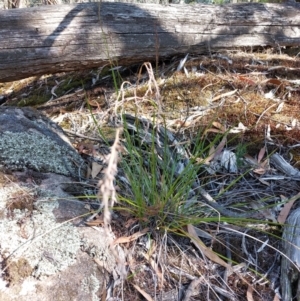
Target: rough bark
<point>49,39</point>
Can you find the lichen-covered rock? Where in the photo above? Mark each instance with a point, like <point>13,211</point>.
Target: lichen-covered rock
<point>46,251</point>
<point>31,234</point>
<point>43,254</point>
<point>29,139</point>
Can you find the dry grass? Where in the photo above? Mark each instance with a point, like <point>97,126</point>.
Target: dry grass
<point>244,103</point>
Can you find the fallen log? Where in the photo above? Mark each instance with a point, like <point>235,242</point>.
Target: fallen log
<point>50,39</point>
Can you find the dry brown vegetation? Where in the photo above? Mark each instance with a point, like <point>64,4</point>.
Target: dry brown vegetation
<point>255,94</point>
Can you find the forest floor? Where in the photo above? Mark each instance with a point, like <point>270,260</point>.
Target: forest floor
<point>245,104</point>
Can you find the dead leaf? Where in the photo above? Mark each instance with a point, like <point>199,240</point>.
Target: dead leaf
<point>143,293</point>
<point>260,166</point>
<point>259,171</point>
<point>135,236</point>
<point>98,221</point>
<point>250,294</point>
<point>130,222</point>
<point>179,123</point>
<point>265,163</point>
<point>274,81</point>
<point>276,297</point>
<point>213,131</point>
<point>219,126</point>
<point>261,154</point>
<point>224,95</point>
<point>210,156</point>
<point>246,80</point>
<point>238,129</point>
<point>287,208</point>
<point>264,182</point>
<point>204,249</point>
<point>251,160</point>
<point>96,168</point>
<point>220,147</point>
<point>265,211</point>
<point>94,103</point>
<point>210,254</point>
<point>104,291</point>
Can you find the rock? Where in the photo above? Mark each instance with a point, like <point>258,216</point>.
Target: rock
<point>46,251</point>
<point>43,255</point>
<point>29,139</point>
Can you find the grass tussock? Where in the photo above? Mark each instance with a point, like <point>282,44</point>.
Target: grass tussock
<point>171,182</point>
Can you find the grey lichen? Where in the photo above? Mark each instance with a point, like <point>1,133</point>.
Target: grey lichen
<point>38,152</point>
<point>91,285</point>
<point>30,140</point>
<point>100,250</point>
<point>48,247</point>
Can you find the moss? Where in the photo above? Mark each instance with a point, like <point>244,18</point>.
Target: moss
<point>91,284</point>
<point>21,200</point>
<point>33,100</point>
<point>17,271</point>
<point>70,84</point>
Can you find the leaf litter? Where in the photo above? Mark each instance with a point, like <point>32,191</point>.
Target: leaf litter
<point>238,107</point>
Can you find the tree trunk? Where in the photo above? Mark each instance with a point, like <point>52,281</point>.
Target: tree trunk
<point>49,39</point>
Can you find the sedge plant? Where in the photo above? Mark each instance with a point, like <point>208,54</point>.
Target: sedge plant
<point>160,183</point>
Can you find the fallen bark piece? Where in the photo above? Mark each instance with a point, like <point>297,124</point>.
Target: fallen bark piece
<point>290,262</point>
<point>55,38</point>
